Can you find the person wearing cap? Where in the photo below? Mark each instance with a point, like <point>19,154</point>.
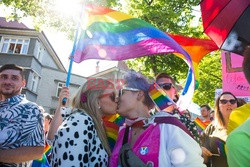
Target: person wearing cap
<point>144,140</point>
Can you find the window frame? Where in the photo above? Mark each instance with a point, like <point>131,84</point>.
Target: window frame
<point>59,88</point>
<point>20,43</point>
<point>34,82</point>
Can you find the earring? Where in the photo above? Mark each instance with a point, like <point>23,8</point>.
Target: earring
<point>99,107</point>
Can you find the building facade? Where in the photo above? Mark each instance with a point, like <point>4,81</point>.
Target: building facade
<point>44,72</point>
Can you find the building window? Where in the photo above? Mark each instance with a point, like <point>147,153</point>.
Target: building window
<point>59,88</point>
<point>34,82</point>
<point>15,46</point>
<point>39,52</point>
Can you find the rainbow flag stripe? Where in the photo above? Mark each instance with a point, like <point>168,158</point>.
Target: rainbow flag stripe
<point>221,146</point>
<point>47,149</point>
<point>112,35</point>
<point>112,124</point>
<point>197,48</point>
<point>159,97</point>
<point>43,161</point>
<point>200,125</point>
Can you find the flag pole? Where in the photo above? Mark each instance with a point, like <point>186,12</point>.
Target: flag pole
<point>71,58</point>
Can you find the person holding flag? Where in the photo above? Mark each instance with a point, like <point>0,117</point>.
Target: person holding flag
<point>81,139</point>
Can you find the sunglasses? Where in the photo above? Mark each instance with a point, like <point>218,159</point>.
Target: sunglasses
<point>112,96</point>
<point>121,91</point>
<point>166,86</point>
<point>232,101</point>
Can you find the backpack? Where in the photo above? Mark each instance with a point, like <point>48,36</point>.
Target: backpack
<point>126,156</point>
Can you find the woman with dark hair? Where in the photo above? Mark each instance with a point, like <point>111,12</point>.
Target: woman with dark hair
<point>215,134</point>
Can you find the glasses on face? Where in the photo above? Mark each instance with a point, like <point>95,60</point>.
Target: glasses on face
<point>232,101</point>
<point>110,95</point>
<point>166,86</point>
<point>121,91</point>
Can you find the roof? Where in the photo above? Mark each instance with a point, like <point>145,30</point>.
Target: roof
<point>122,65</point>
<point>11,24</point>
<point>14,27</point>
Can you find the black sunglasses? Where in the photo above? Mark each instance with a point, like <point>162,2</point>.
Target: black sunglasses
<point>112,96</point>
<point>166,86</point>
<point>232,101</point>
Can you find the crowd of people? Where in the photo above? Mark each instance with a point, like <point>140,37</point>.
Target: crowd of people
<point>148,136</point>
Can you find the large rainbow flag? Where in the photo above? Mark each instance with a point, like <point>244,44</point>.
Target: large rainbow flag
<point>197,48</point>
<point>112,35</point>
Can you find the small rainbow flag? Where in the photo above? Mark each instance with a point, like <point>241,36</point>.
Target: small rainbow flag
<point>159,97</point>
<point>43,161</point>
<point>112,124</point>
<point>200,125</point>
<point>47,150</point>
<point>221,146</point>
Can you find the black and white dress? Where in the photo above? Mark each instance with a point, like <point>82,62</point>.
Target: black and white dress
<point>77,143</point>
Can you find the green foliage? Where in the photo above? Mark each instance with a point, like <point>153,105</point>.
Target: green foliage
<point>210,79</point>
<point>176,16</point>
<point>152,65</point>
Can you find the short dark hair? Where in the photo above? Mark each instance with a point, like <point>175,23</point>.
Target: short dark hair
<point>246,63</point>
<point>241,102</point>
<point>164,75</point>
<point>12,67</point>
<point>207,106</point>
<point>48,117</point>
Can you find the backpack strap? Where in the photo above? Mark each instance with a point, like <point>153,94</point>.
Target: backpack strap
<point>125,137</point>
<point>173,121</point>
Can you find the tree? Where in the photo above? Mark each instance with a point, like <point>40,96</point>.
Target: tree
<point>176,17</point>
<point>172,16</point>
<point>210,79</point>
<point>45,13</point>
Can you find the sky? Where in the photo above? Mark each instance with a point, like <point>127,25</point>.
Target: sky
<point>63,48</point>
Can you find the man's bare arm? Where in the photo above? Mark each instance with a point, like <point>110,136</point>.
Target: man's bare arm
<point>21,154</point>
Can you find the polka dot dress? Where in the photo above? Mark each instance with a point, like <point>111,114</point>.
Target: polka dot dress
<point>77,144</point>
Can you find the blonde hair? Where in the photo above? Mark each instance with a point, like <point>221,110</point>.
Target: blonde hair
<point>90,107</point>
